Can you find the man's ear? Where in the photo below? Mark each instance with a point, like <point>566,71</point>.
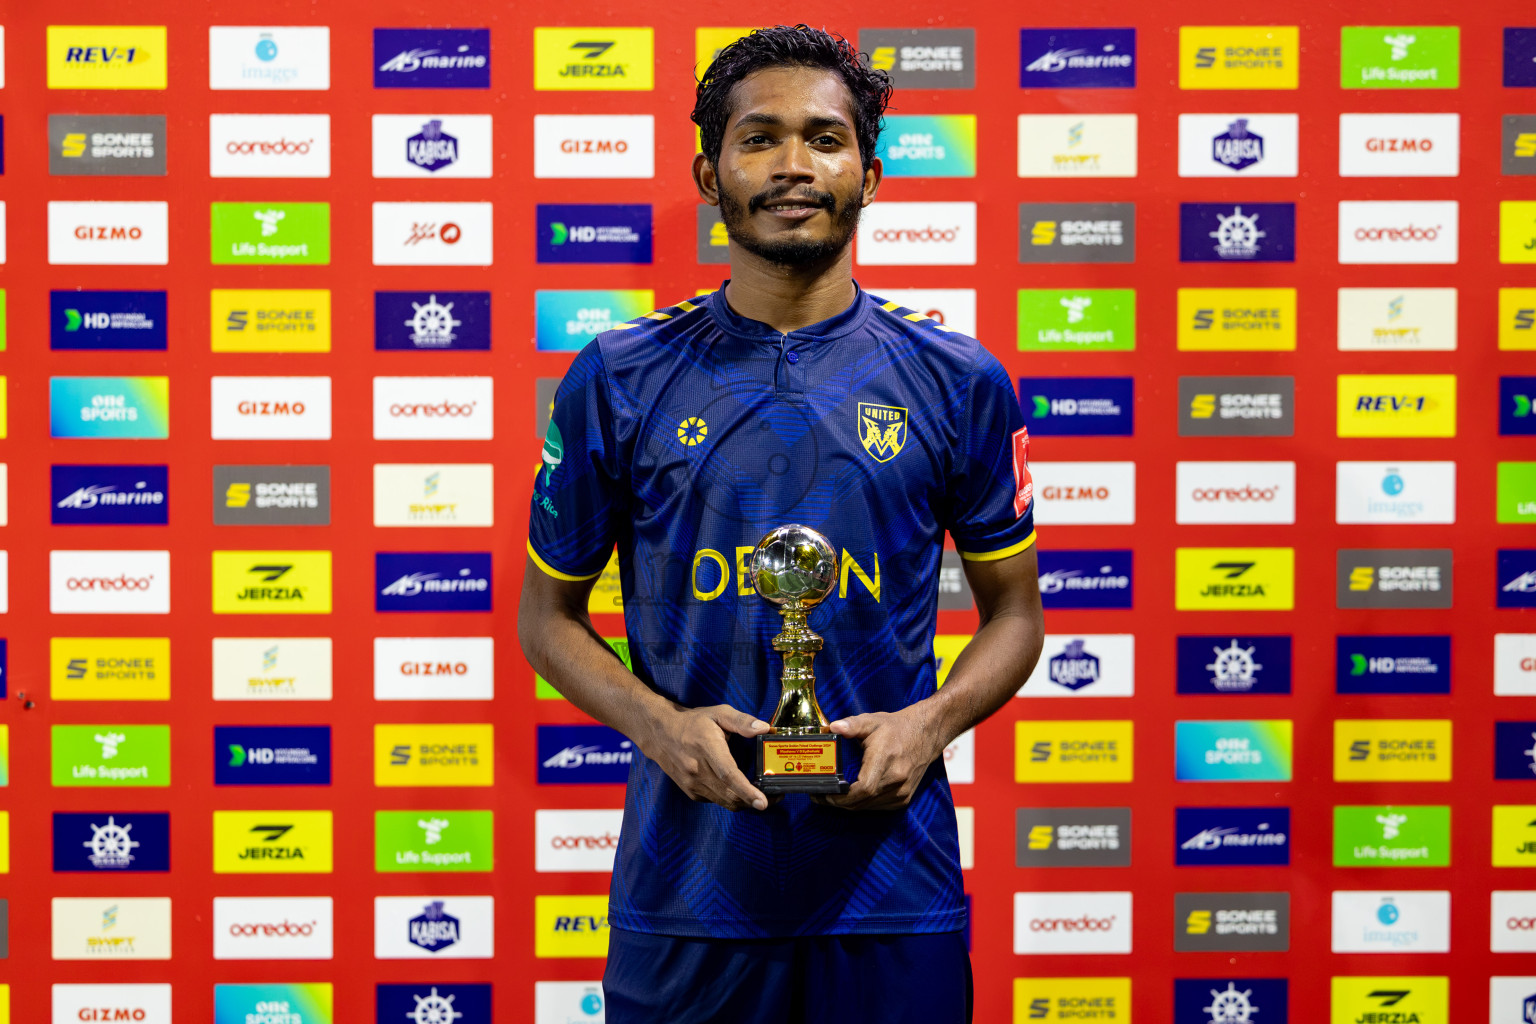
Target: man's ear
<point>705,179</point>
<point>872,179</point>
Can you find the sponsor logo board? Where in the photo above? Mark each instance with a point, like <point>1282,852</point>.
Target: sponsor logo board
<point>1519,143</point>
<point>108,233</point>
<point>1513,743</point>
<point>1077,145</point>
<point>588,59</point>
<point>1084,665</point>
<point>1078,406</point>
<point>139,1003</point>
<point>106,57</point>
<point>1235,579</point>
<point>1513,918</point>
<point>1221,1000</point>
<point>1233,751</point>
<point>265,928</point>
<point>572,840</point>
<point>432,321</point>
<point>1099,578</point>
<point>1398,231</point>
<point>1514,664</point>
<point>1057,837</point>
<point>1059,1000</point>
<point>271,755</point>
<point>1517,397</point>
<point>1077,232</point>
<point>1399,145</point>
<point>1241,233</point>
<point>433,494</point>
<point>1234,492</point>
<point>109,407</point>
<point>286,495</point>
<point>928,146</point>
<point>1397,319</point>
<point>269,320</point>
<point>1232,836</point>
<point>109,495</point>
<point>306,1003</point>
<point>917,234</point>
<point>455,1004</point>
<point>270,234</point>
<point>593,233</point>
<point>565,321</point>
<point>1239,56</point>
<point>433,841</point>
<point>1396,1000</point>
<point>1516,492</point>
<point>1089,319</point>
<point>1394,578</point>
<point>109,668</point>
<point>106,145</point>
<point>1085,493</point>
<point>1237,320</point>
<point>955,308</point>
<point>1395,492</point>
<point>432,234</point>
<point>108,582</point>
<point>432,754</point>
<point>1058,751</point>
<point>1514,835</point>
<point>1517,320</point>
<point>271,582</point>
<point>1237,406</point>
<point>432,581</point>
<point>431,58</point>
<point>1233,663</point>
<point>271,668</point>
<point>433,408</point>
<point>272,842</point>
<point>918,58</point>
<point>1071,922</point>
<point>1385,749</point>
<point>594,146</point>
<point>1245,145</point>
<point>111,841</point>
<point>582,754</point>
<point>269,145</point>
<point>250,57</point>
<point>1392,664</point>
<point>433,927</point>
<point>106,320</point>
<point>1231,921</point>
<point>570,926</point>
<point>1077,58</point>
<point>433,668</point>
<point>1391,922</point>
<point>1396,405</point>
<point>432,145</point>
<point>1399,57</point>
<point>111,928</point>
<point>1391,836</point>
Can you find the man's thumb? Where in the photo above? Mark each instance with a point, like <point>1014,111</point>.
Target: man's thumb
<point>856,726</point>
<point>739,722</point>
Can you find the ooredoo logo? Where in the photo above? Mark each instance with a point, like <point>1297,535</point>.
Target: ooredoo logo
<point>111,582</point>
<point>918,234</point>
<point>432,408</point>
<point>1071,922</point>
<point>1398,232</point>
<point>1236,492</point>
<point>259,928</point>
<point>1513,918</point>
<point>271,408</point>
<point>269,146</point>
<point>576,840</point>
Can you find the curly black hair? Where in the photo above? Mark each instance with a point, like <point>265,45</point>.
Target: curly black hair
<point>791,46</point>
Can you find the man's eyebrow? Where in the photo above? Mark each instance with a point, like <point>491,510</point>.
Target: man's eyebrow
<point>773,120</point>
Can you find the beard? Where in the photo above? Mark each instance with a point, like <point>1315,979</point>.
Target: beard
<point>788,248</point>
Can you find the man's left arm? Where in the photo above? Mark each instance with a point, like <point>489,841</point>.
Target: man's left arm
<point>900,745</point>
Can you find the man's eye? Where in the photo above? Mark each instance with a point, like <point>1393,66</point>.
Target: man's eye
<point>753,140</point>
<point>827,140</point>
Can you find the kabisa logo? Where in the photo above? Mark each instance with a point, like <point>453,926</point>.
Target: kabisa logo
<point>432,149</point>
<point>1086,579</point>
<point>109,407</point>
<point>1245,921</point>
<point>1394,578</point>
<point>1234,751</point>
<point>583,753</point>
<point>109,495</point>
<point>431,58</point>
<point>1391,922</point>
<point>1084,665</point>
<point>1229,663</point>
<point>1230,1000</point>
<point>593,58</point>
<point>256,57</point>
<point>1077,58</point>
<point>1238,56</point>
<point>594,233</point>
<point>271,582</point>
<point>1514,750</point>
<point>1237,406</point>
<point>424,146</point>
<point>943,58</point>
<point>1048,837</point>
<point>433,1004</point>
<point>307,1003</point>
<point>81,320</point>
<point>432,321</point>
<point>1077,232</point>
<point>1516,578</point>
<point>272,842</point>
<point>432,581</point>
<point>112,841</point>
<point>1392,664</point>
<point>1206,836</point>
<point>1393,837</point>
<point>1246,233</point>
<point>1066,751</point>
<point>434,929</point>
<point>564,321</point>
<point>289,755</point>
<point>1238,144</point>
<point>1237,147</point>
<point>1517,406</point>
<point>106,57</point>
<point>1074,667</point>
<point>124,145</point>
<point>1406,750</point>
<point>1078,406</point>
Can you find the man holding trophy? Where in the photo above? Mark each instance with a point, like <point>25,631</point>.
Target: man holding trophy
<point>777,463</point>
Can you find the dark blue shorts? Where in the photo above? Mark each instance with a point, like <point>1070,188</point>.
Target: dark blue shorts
<point>893,979</point>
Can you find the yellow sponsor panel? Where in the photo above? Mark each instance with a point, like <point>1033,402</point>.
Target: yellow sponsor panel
<point>272,842</point>
<point>606,594</point>
<point>5,1004</point>
<point>575,926</point>
<point>1237,320</point>
<point>4,412</point>
<point>1517,319</point>
<point>109,668</point>
<point>1397,1000</point>
<point>106,57</point>
<point>1071,999</point>
<point>1517,231</point>
<point>272,582</point>
<point>1235,579</point>
<point>593,58</point>
<point>1514,835</point>
<point>269,319</point>
<point>1392,749</point>
<point>1397,405</point>
<point>429,754</point>
<point>1073,751</point>
<point>708,42</point>
<point>1239,56</point>
<point>5,842</point>
<point>946,648</point>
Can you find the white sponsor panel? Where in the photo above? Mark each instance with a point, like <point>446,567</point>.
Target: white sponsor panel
<point>1399,145</point>
<point>109,582</point>
<point>434,668</point>
<point>576,840</point>
<point>434,927</point>
<point>432,408</point>
<point>1085,493</point>
<point>1513,922</point>
<point>432,234</point>
<point>138,1004</point>
<point>1077,145</point>
<point>432,145</point>
<point>1514,664</point>
<point>271,409</point>
<point>2,232</point>
<point>1507,999</point>
<point>282,57</point>
<point>108,234</point>
<point>5,494</point>
<point>1084,665</point>
<point>955,308</point>
<point>111,928</point>
<point>1395,492</point>
<point>960,758</point>
<point>273,928</point>
<point>1369,921</point>
<point>5,582</point>
<point>2,56</point>
<point>1234,492</point>
<point>1397,319</point>
<point>1392,231</point>
<point>433,494</point>
<point>594,146</point>
<point>569,1002</point>
<point>1071,922</point>
<point>917,235</point>
<point>272,668</point>
<point>1238,145</point>
<point>965,825</point>
<point>269,145</point>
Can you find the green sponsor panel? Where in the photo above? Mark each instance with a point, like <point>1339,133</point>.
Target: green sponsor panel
<point>544,691</point>
<point>1400,57</point>
<point>1392,837</point>
<point>111,755</point>
<point>270,233</point>
<point>3,320</point>
<point>1077,320</point>
<point>433,840</point>
<point>1517,492</point>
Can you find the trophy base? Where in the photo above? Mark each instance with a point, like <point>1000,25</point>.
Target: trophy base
<point>800,764</point>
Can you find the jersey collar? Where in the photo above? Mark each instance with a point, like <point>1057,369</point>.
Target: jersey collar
<point>846,322</point>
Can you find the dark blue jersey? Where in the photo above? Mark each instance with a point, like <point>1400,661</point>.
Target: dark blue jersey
<point>683,437</point>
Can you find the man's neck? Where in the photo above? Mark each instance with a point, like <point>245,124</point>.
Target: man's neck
<point>788,298</point>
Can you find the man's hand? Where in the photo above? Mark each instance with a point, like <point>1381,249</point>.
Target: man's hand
<point>898,748</point>
<point>689,744</point>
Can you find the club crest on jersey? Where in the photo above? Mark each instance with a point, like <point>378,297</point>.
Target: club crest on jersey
<point>883,430</point>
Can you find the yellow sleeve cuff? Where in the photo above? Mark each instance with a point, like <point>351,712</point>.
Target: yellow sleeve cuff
<point>980,556</point>
<point>550,570</point>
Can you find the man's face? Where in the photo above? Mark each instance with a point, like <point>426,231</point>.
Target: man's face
<point>790,180</point>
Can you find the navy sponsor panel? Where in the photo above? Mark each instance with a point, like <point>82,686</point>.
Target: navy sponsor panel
<point>436,1003</point>
<point>1232,836</point>
<point>1516,580</point>
<point>593,233</point>
<point>1237,233</point>
<point>1231,663</point>
<point>432,581</point>
<point>1520,73</point>
<point>1392,664</point>
<point>432,321</point>
<point>111,841</point>
<point>271,755</point>
<point>1078,406</point>
<point>1233,1001</point>
<point>431,58</point>
<point>1077,58</point>
<point>5,669</point>
<point>1514,750</point>
<point>81,320</point>
<point>583,754</point>
<point>1517,406</point>
<point>1085,579</point>
<point>96,495</point>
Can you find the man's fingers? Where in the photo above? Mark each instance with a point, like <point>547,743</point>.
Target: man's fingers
<point>738,722</point>
<point>729,780</point>
<point>857,726</point>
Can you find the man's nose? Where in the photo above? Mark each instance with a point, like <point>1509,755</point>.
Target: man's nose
<point>794,162</point>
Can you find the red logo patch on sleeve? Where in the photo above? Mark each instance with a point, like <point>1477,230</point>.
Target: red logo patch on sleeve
<point>1023,483</point>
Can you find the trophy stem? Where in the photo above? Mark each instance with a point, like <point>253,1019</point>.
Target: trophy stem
<point>798,713</point>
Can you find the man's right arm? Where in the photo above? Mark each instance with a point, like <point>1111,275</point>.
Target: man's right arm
<point>689,744</point>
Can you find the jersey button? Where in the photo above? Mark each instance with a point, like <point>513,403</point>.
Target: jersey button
<point>793,357</point>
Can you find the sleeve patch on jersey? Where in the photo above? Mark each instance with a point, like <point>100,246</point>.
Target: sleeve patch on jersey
<point>995,556</point>
<point>1023,483</point>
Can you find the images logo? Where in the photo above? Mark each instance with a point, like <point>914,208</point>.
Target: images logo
<point>1247,233</point>
<point>1085,665</point>
<point>271,495</point>
<point>1086,579</point>
<point>594,233</point>
<point>1078,406</point>
<point>109,407</point>
<point>431,58</point>
<point>1391,922</point>
<point>918,234</point>
<point>1077,145</point>
<point>81,320</point>
<point>1096,319</point>
<point>1055,751</point>
<point>111,755</point>
<point>1053,837</point>
<point>1246,145</point>
<point>110,582</point>
<point>1394,578</point>
<point>271,668</point>
<point>1210,836</point>
<point>432,581</point>
<point>272,582</point>
<point>594,146</point>
<point>109,495</point>
<point>292,755</point>
<point>124,146</point>
<point>309,1003</point>
<point>1077,232</point>
<point>916,58</point>
<point>1077,58</point>
<point>1237,320</point>
<point>1228,663</point>
<point>1237,921</point>
<point>432,321</point>
<point>427,754</point>
<point>275,320</point>
<point>1239,751</point>
<point>134,841</point>
<point>929,146</point>
<point>434,1004</point>
<point>582,754</point>
<point>273,929</point>
<point>433,841</point>
<point>106,57</point>
<point>1403,750</point>
<point>433,927</point>
<point>1071,922</point>
<point>1399,232</point>
<point>1403,492</point>
<point>1399,1000</point>
<point>566,320</point>
<point>1235,579</point>
<point>1238,56</point>
<point>1230,1001</point>
<point>272,842</point>
<point>109,668</point>
<point>1399,57</point>
<point>287,58</point>
<point>1393,664</point>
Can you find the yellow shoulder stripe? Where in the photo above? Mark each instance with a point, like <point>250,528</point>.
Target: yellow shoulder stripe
<point>993,556</point>
<point>550,570</point>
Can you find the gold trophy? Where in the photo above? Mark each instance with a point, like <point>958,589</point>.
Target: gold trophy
<point>796,568</point>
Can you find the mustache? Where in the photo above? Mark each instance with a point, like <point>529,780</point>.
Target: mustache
<point>823,199</point>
